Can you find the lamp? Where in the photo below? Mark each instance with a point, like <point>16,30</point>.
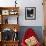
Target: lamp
<point>15,30</point>
<point>15,3</point>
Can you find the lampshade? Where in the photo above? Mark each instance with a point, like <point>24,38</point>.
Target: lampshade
<point>15,30</point>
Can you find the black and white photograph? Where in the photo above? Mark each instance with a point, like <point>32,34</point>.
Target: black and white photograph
<point>30,13</point>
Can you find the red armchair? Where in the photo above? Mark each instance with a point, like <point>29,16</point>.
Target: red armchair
<point>30,34</point>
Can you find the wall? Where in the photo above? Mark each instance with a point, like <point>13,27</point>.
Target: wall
<point>39,12</point>
<point>27,3</point>
<point>7,3</point>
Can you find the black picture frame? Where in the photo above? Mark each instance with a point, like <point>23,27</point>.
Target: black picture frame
<point>30,13</point>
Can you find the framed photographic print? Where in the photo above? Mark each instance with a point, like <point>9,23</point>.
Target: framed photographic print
<point>30,13</point>
<point>5,12</point>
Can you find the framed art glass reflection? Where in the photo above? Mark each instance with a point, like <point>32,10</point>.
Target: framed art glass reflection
<point>30,13</point>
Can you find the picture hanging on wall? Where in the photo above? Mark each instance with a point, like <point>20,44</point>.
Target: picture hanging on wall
<point>30,13</point>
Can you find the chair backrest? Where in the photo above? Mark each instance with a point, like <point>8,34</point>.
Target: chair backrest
<point>28,34</point>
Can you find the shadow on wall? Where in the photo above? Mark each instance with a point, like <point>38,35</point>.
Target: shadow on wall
<point>37,29</point>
